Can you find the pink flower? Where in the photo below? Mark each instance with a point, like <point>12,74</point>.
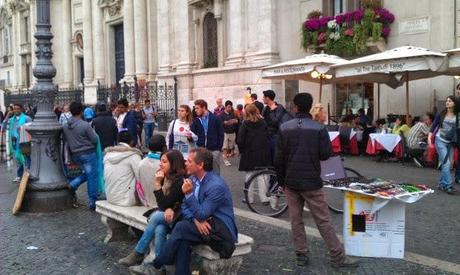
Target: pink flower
<point>349,32</point>
<point>386,32</point>
<point>322,38</point>
<point>358,16</point>
<point>312,24</point>
<point>339,19</point>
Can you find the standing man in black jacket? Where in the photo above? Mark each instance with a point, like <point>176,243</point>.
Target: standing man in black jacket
<point>275,115</point>
<point>302,143</point>
<point>105,126</point>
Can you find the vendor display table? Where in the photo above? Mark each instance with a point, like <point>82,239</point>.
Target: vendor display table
<point>374,221</point>
<point>335,141</point>
<point>388,142</point>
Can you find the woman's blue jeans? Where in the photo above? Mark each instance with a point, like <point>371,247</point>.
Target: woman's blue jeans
<point>445,153</point>
<point>158,229</point>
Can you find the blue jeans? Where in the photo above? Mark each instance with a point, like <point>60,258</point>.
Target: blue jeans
<point>445,153</point>
<point>158,229</point>
<point>88,163</point>
<point>148,130</point>
<point>20,170</point>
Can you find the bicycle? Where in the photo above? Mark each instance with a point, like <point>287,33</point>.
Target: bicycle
<point>264,195</point>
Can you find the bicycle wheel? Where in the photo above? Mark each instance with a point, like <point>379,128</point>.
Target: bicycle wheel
<point>263,194</point>
<point>334,197</point>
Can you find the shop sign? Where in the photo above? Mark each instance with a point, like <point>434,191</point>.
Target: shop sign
<point>414,25</point>
<point>290,70</point>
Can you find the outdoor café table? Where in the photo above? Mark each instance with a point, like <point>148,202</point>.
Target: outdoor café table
<point>388,142</point>
<point>354,138</point>
<point>335,141</point>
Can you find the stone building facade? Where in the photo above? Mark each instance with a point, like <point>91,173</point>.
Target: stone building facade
<point>215,48</point>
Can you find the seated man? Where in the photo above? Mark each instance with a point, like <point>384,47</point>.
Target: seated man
<point>418,138</point>
<point>207,217</point>
<point>121,171</point>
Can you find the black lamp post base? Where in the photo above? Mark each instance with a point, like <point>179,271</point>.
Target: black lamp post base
<point>47,201</point>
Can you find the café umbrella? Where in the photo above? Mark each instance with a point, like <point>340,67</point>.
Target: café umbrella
<point>394,67</point>
<point>313,68</point>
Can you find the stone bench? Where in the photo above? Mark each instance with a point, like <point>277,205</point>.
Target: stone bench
<point>118,219</point>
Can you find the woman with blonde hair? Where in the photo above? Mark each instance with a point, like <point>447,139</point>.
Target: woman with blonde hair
<point>180,136</point>
<point>318,114</point>
<point>253,146</point>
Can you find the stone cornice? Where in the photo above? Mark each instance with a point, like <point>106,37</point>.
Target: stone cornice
<point>17,5</point>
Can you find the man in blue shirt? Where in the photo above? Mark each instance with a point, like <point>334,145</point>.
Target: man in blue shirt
<point>207,218</point>
<point>210,131</point>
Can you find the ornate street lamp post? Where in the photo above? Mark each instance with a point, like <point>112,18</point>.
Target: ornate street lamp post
<point>47,190</point>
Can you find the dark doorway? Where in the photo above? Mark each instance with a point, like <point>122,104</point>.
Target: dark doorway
<point>81,66</point>
<point>210,41</point>
<point>119,53</point>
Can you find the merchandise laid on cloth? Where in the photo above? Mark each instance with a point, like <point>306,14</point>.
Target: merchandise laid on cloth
<point>388,142</point>
<point>374,215</point>
<point>335,141</point>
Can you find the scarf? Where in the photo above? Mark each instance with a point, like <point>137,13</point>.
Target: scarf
<point>13,133</point>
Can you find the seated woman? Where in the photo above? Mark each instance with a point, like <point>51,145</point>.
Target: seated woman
<point>168,192</point>
<point>318,114</point>
<point>401,127</point>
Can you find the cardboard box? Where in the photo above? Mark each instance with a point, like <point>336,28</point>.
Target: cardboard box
<point>367,234</point>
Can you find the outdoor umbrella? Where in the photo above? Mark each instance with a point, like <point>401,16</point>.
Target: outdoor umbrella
<point>313,68</point>
<point>395,67</point>
<point>454,62</point>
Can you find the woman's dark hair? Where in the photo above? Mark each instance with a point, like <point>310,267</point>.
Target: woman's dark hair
<point>123,136</point>
<point>444,112</point>
<point>176,162</point>
<point>402,119</point>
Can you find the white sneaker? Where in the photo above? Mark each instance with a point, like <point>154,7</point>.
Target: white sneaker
<point>227,163</point>
<point>16,180</point>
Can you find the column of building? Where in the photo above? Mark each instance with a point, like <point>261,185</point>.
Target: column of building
<point>163,36</point>
<point>88,60</point>
<point>221,34</point>
<point>15,35</point>
<point>267,36</point>
<point>66,44</point>
<point>235,16</point>
<point>140,38</point>
<point>128,35</point>
<point>152,40</point>
<point>33,20</point>
<point>183,36</point>
<point>98,44</point>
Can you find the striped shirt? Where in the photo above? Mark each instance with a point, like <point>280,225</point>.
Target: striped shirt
<point>418,133</point>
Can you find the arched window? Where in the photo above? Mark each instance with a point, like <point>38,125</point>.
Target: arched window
<point>209,41</point>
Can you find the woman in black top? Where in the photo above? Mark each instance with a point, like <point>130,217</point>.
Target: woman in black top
<point>168,192</point>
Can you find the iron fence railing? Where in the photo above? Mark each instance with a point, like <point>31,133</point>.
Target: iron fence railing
<point>162,96</point>
<point>62,96</point>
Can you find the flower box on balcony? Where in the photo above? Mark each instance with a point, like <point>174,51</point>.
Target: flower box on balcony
<point>350,34</point>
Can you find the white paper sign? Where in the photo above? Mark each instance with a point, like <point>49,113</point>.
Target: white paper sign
<point>414,25</point>
<point>300,69</point>
<point>368,234</point>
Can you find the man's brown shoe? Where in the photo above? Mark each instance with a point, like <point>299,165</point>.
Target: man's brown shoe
<point>345,262</point>
<point>134,258</point>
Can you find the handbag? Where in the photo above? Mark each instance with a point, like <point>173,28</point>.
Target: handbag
<point>24,141</point>
<point>430,155</point>
<point>141,194</point>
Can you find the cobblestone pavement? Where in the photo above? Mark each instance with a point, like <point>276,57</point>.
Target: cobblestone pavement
<point>71,242</point>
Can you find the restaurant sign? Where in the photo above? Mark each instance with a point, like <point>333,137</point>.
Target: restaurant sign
<point>383,67</point>
<point>288,70</point>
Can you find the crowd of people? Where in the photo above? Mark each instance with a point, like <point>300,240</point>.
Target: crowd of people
<point>178,175</point>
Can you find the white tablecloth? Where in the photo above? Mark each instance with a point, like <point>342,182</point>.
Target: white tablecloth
<point>388,141</point>
<point>333,135</point>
